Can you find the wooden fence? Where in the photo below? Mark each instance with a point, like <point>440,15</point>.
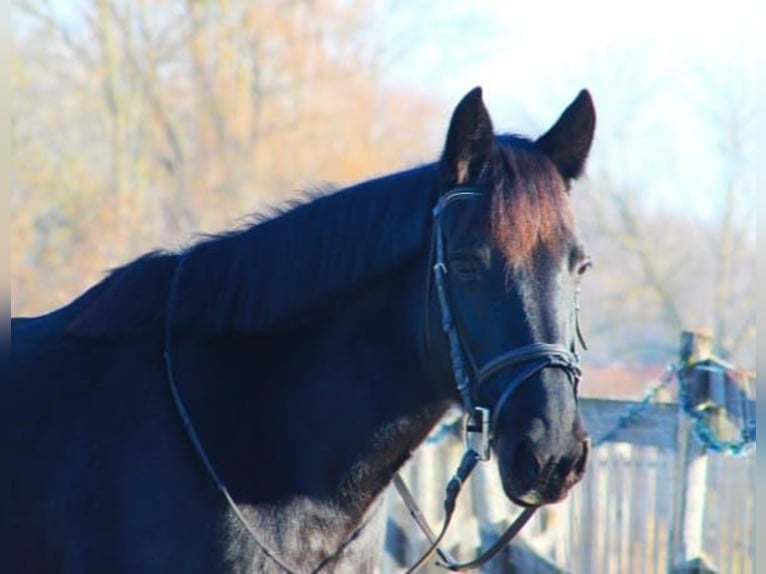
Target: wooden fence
<point>652,500</point>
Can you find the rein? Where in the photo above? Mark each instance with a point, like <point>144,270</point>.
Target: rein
<point>183,414</point>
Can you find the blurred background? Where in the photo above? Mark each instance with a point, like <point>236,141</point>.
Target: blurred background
<point>137,124</point>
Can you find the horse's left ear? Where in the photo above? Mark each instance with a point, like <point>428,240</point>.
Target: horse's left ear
<point>568,142</point>
<point>469,141</point>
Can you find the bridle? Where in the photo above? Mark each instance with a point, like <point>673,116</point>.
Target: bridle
<point>481,421</point>
<point>536,356</point>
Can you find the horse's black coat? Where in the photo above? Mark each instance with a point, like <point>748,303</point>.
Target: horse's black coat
<point>299,348</point>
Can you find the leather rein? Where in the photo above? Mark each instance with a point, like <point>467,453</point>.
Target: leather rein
<point>480,420</point>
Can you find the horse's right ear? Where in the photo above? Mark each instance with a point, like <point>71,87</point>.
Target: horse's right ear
<point>568,142</point>
<point>469,141</point>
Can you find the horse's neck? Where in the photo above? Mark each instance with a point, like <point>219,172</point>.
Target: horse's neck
<point>326,414</point>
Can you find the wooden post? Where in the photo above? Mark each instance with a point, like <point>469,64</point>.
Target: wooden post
<point>696,346</point>
<point>489,516</point>
<point>687,539</point>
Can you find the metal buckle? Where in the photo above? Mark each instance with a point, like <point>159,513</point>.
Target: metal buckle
<point>477,432</point>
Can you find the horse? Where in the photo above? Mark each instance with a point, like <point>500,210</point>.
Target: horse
<point>243,403</point>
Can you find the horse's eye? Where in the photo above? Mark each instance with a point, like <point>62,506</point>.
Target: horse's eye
<point>584,266</point>
<point>465,266</point>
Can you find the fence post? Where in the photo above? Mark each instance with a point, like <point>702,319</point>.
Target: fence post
<point>486,515</point>
<point>686,551</point>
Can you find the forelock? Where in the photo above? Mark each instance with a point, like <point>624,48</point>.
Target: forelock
<point>530,205</point>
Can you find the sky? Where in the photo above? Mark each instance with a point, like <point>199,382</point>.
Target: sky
<point>661,74</point>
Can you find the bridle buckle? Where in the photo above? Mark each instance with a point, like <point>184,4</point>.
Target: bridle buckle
<point>478,437</point>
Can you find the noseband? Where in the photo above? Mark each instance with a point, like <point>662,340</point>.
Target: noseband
<point>481,420</point>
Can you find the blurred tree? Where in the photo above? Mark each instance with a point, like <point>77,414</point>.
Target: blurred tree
<point>137,123</point>
<point>662,268</point>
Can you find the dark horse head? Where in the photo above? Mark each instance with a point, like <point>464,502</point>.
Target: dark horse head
<point>512,263</point>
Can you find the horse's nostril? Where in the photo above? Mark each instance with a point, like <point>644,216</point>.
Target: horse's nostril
<point>526,462</point>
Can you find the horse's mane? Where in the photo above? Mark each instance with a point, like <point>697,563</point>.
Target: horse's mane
<point>131,299</point>
<point>276,272</point>
<point>273,272</point>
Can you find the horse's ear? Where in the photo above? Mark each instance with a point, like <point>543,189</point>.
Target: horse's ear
<point>568,142</point>
<point>469,141</point>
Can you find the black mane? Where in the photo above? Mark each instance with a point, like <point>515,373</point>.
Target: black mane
<point>272,273</point>
<point>131,300</point>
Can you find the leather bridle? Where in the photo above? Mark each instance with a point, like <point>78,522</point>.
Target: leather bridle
<point>481,421</point>
<point>537,355</point>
